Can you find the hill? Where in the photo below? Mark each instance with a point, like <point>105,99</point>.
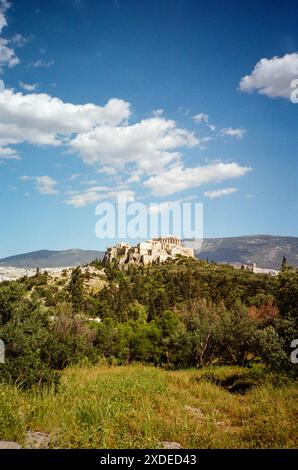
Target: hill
<point>265,250</point>
<point>51,259</point>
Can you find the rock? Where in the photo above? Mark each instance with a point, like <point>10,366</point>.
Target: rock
<point>9,445</point>
<point>37,440</point>
<point>169,445</point>
<point>195,411</point>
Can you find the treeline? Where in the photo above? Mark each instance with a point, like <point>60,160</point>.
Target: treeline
<point>185,313</point>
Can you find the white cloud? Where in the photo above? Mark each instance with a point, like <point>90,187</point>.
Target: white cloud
<point>19,40</point>
<point>40,119</point>
<point>74,176</point>
<point>44,184</point>
<point>28,86</point>
<point>41,64</point>
<point>233,132</point>
<point>272,77</point>
<point>96,194</point>
<point>219,192</point>
<point>9,153</point>
<point>4,5</point>
<point>201,117</point>
<point>7,54</point>
<point>104,137</point>
<point>133,179</point>
<point>179,178</point>
<point>157,112</point>
<point>150,144</point>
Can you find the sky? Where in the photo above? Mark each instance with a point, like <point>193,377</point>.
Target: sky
<point>154,101</point>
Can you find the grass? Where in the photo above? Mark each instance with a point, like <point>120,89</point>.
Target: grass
<point>140,406</point>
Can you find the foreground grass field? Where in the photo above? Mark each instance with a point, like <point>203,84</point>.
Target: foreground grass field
<point>141,406</point>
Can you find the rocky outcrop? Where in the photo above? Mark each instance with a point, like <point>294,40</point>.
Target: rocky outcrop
<point>156,250</point>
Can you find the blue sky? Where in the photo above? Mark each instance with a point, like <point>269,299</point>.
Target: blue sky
<point>157,100</point>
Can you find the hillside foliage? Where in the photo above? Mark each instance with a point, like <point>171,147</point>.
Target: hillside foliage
<point>185,313</point>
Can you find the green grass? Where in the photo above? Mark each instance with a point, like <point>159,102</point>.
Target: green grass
<point>139,406</point>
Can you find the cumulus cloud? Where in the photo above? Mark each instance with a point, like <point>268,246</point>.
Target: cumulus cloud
<point>272,77</point>
<point>104,137</point>
<point>150,144</point>
<point>179,178</point>
<point>219,192</point>
<point>44,184</point>
<point>38,118</point>
<point>233,132</point>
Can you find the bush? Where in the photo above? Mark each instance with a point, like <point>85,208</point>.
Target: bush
<point>71,338</point>
<point>215,334</point>
<point>26,338</point>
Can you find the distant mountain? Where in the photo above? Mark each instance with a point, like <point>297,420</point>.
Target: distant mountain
<point>265,250</point>
<point>51,259</point>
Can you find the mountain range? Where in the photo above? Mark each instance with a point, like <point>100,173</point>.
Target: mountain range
<point>51,259</point>
<point>266,251</point>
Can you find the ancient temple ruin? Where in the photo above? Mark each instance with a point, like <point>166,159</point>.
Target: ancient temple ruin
<point>156,250</point>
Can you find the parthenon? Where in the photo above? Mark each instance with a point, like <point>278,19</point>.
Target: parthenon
<point>155,250</point>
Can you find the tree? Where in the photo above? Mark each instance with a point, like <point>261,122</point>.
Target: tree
<point>275,341</point>
<point>287,293</point>
<point>11,297</point>
<point>284,263</point>
<point>26,338</point>
<point>76,290</point>
<point>71,338</point>
<point>151,310</point>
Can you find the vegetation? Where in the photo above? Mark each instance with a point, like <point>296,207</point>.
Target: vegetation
<point>231,329</point>
<point>180,314</point>
<point>141,406</point>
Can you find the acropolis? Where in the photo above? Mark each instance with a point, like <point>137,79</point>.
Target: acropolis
<point>156,250</point>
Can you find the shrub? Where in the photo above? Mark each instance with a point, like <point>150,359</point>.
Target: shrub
<point>26,338</point>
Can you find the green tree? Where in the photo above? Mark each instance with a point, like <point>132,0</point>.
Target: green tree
<point>76,290</point>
